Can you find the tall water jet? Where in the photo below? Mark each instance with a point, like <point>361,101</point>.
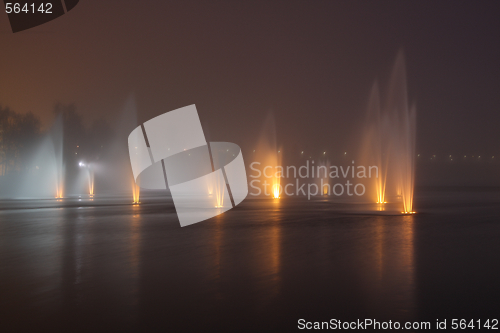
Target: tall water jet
<point>90,178</point>
<point>219,186</point>
<point>116,164</point>
<point>323,170</point>
<point>91,182</point>
<point>375,147</point>
<point>47,176</point>
<point>86,177</point>
<point>136,191</point>
<point>389,142</point>
<point>403,118</point>
<point>276,179</point>
<point>57,142</point>
<point>269,155</point>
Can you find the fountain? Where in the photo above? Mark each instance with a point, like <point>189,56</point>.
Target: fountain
<point>269,156</point>
<point>57,144</point>
<point>389,142</point>
<point>47,170</point>
<point>89,176</point>
<point>219,186</point>
<point>136,191</point>
<point>116,164</point>
<point>90,172</point>
<point>323,179</point>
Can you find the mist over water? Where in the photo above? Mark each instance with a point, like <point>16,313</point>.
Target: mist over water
<point>382,170</point>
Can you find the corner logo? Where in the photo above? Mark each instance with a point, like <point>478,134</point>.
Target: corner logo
<point>28,14</point>
<point>205,179</point>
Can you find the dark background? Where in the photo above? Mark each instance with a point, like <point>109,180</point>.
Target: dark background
<point>311,63</point>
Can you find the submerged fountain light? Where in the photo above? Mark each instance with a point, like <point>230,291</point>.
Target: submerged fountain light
<point>136,190</point>
<point>59,193</point>
<point>276,191</point>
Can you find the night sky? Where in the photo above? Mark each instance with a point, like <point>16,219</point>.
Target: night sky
<point>311,63</point>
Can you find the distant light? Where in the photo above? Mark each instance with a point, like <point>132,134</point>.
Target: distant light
<point>81,164</point>
<point>418,155</point>
<point>254,150</point>
<point>465,156</point>
<point>450,156</point>
<point>345,153</point>
<point>302,152</point>
<point>324,152</point>
<point>278,151</point>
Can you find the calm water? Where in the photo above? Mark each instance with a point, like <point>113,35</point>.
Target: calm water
<point>107,265</point>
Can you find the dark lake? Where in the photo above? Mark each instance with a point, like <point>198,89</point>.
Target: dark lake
<point>106,265</point>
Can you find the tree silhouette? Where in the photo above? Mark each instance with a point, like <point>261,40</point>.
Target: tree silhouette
<point>18,135</point>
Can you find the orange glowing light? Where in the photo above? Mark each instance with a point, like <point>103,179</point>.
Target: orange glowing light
<point>276,191</point>
<point>136,190</point>
<point>59,193</point>
<point>218,187</point>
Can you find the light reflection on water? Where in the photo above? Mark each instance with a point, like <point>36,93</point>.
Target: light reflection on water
<point>394,265</point>
<point>266,258</point>
<point>270,250</point>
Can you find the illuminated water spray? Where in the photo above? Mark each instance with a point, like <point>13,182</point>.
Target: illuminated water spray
<point>90,176</point>
<point>389,141</point>
<point>56,138</point>
<point>136,191</point>
<point>276,190</point>
<point>270,156</point>
<point>218,190</point>
<point>404,122</point>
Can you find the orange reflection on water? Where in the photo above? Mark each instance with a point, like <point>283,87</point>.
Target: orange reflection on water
<point>270,252</point>
<point>394,263</point>
<point>217,241</point>
<point>135,225</point>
